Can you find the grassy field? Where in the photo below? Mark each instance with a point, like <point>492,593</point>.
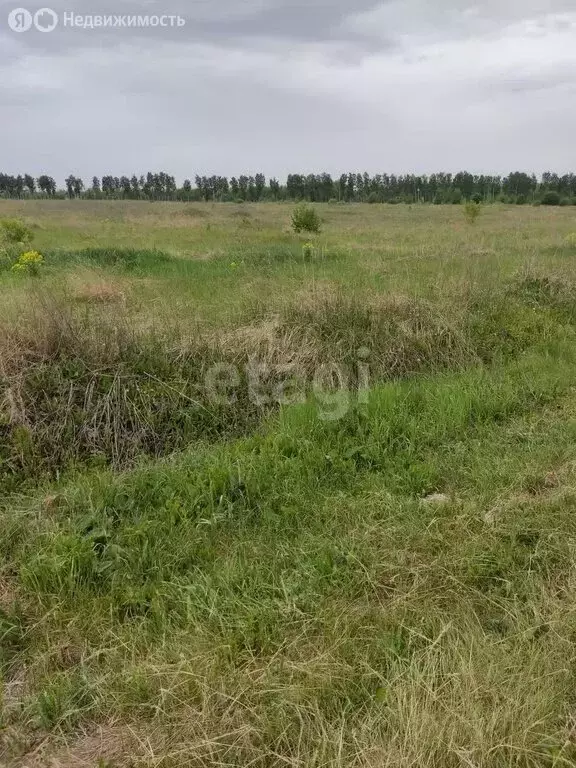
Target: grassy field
<point>277,500</point>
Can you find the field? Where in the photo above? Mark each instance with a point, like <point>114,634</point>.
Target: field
<point>270,499</point>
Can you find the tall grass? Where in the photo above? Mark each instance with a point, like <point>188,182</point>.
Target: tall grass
<point>81,384</point>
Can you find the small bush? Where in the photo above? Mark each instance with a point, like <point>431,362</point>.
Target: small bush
<point>305,219</point>
<point>551,198</point>
<point>29,263</point>
<point>14,231</point>
<point>471,212</point>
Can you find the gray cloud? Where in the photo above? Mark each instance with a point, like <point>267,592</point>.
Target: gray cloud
<point>276,86</point>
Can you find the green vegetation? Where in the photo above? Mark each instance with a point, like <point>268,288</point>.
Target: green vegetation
<point>268,503</point>
<point>305,219</point>
<point>471,211</point>
<point>551,198</point>
<point>439,188</point>
<point>14,232</point>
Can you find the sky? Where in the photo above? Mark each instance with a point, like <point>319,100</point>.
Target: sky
<point>392,86</point>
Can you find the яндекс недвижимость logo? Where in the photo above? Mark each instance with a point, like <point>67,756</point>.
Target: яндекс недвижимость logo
<point>21,20</point>
<point>46,20</point>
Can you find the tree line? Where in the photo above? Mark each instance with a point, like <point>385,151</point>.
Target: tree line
<point>439,188</point>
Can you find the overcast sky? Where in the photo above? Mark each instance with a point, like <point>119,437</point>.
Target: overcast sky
<point>279,86</point>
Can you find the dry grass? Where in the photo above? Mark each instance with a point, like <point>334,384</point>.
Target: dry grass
<point>93,287</point>
<point>104,745</point>
<point>398,336</point>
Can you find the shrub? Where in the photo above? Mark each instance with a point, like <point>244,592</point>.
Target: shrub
<point>471,212</point>
<point>29,263</point>
<point>551,198</point>
<point>305,219</point>
<point>14,231</point>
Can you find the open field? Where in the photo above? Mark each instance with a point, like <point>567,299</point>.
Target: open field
<point>266,503</point>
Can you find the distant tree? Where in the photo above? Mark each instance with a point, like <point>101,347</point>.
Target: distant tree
<point>439,188</point>
<point>342,186</point>
<point>29,183</point>
<point>152,186</point>
<point>251,188</point>
<point>126,186</point>
<point>551,198</point>
<point>47,185</point>
<point>456,197</point>
<point>351,186</point>
<point>465,183</point>
<point>78,186</point>
<point>275,188</point>
<point>519,183</point>
<point>243,187</point>
<point>108,186</point>
<point>260,185</point>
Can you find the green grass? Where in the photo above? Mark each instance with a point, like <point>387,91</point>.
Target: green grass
<point>392,587</point>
